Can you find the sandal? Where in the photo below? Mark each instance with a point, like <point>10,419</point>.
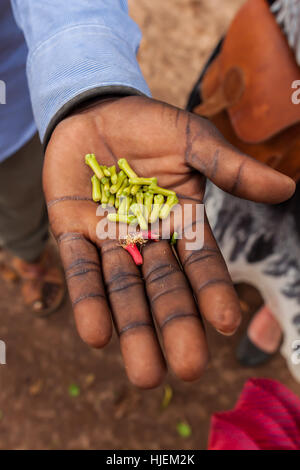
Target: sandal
<point>261,341</point>
<point>43,285</point>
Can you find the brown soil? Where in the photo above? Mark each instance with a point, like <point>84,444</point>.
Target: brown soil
<point>44,357</point>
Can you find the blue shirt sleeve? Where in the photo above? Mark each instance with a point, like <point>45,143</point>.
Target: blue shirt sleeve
<point>78,49</point>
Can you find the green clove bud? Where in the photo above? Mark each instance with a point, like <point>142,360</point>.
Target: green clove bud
<point>135,188</point>
<point>106,171</point>
<point>96,188</point>
<point>111,200</point>
<point>157,190</point>
<point>127,191</point>
<point>148,200</point>
<point>91,161</point>
<point>124,205</point>
<point>137,211</point>
<point>113,174</point>
<point>124,165</point>
<point>115,187</point>
<point>158,203</point>
<point>104,195</point>
<point>123,186</point>
<point>166,209</point>
<point>105,182</point>
<point>140,198</point>
<point>143,181</point>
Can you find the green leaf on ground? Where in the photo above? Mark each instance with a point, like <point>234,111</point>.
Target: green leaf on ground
<point>184,429</point>
<point>74,390</point>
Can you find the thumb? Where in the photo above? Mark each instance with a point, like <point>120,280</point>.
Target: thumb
<point>236,173</point>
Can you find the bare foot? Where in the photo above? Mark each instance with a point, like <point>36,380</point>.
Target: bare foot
<point>264,331</point>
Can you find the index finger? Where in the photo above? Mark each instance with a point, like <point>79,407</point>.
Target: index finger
<point>83,274</point>
<point>236,173</point>
<point>143,358</point>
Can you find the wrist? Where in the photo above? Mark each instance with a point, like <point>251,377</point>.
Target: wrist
<point>93,102</point>
<point>88,100</point>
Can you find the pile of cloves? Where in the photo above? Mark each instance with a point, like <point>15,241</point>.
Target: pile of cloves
<point>138,201</point>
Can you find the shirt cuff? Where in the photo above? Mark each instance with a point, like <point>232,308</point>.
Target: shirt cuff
<point>77,64</point>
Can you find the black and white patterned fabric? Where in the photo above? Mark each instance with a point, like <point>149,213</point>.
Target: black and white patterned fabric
<point>287,13</point>
<point>261,246</point>
<point>261,243</point>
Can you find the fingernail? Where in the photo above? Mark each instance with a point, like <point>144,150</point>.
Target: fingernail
<point>225,333</point>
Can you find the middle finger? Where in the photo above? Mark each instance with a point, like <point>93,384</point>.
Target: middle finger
<point>143,359</point>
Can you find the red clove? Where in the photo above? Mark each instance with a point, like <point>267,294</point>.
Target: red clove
<point>151,236</point>
<point>134,252</point>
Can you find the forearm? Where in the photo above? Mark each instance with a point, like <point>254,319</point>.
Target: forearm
<point>77,51</point>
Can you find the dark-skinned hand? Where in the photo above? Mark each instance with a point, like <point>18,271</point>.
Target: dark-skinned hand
<point>105,286</point>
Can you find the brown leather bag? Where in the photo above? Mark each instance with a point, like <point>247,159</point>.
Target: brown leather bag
<point>247,90</point>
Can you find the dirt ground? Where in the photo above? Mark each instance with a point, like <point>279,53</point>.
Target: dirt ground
<point>38,410</point>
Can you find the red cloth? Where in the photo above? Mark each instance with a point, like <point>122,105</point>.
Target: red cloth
<point>266,417</point>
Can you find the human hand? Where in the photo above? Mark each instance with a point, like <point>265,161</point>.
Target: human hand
<point>181,150</point>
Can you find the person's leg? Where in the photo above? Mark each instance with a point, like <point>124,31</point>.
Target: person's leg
<point>23,214</point>
<point>24,230</point>
<point>260,244</point>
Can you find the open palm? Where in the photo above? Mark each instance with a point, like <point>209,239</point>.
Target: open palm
<point>181,150</point>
